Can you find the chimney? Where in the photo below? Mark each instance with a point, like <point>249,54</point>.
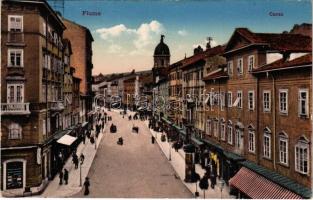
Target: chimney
<point>197,50</point>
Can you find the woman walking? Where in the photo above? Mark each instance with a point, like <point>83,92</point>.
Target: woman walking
<point>86,185</point>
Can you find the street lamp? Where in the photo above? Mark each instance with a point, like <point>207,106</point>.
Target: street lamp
<point>222,183</point>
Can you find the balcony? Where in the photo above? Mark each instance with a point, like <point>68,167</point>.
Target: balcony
<point>57,106</point>
<point>15,38</point>
<point>15,109</point>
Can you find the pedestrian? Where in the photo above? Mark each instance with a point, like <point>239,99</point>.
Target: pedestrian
<point>86,184</point>
<point>82,158</point>
<point>65,176</point>
<point>84,138</point>
<point>75,160</point>
<point>61,177</point>
<point>102,125</point>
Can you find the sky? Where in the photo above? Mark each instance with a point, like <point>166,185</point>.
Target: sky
<point>126,32</point>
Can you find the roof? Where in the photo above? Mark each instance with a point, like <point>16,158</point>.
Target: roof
<point>280,64</point>
<point>162,49</point>
<point>279,179</point>
<point>285,42</point>
<point>216,75</point>
<point>258,187</point>
<point>202,56</point>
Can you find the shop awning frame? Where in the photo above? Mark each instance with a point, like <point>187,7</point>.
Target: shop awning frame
<point>197,141</point>
<point>281,180</point>
<point>166,120</point>
<point>258,187</point>
<point>67,140</point>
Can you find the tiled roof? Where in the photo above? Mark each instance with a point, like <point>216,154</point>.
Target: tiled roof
<point>216,75</point>
<point>281,64</point>
<point>201,56</point>
<point>276,41</point>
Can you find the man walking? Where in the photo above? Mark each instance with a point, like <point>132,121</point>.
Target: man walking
<point>86,185</point>
<point>61,177</point>
<point>75,160</point>
<point>65,176</point>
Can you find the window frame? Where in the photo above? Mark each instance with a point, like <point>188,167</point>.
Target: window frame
<point>269,101</point>
<point>15,16</point>
<point>230,133</point>
<point>284,138</point>
<point>302,144</point>
<point>10,50</point>
<point>223,131</point>
<point>15,97</point>
<point>15,126</point>
<point>267,134</point>
<point>209,127</point>
<point>240,67</point>
<point>251,147</point>
<point>229,100</point>
<point>230,67</point>
<point>280,101</point>
<point>250,68</point>
<point>303,90</point>
<point>253,100</point>
<point>240,101</point>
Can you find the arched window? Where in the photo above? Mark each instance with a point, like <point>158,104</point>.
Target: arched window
<point>267,143</point>
<point>15,131</point>
<point>251,138</point>
<point>302,158</point>
<point>208,127</point>
<point>230,132</point>
<point>283,147</point>
<point>223,129</point>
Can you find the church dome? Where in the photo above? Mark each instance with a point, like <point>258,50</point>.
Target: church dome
<point>162,49</point>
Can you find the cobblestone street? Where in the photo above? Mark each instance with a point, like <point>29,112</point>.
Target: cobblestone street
<point>137,169</point>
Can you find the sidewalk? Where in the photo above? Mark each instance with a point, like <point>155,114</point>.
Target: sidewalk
<point>54,190</point>
<point>178,163</point>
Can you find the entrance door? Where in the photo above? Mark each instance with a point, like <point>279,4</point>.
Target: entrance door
<point>14,175</point>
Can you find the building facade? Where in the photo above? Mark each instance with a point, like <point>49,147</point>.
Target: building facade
<point>32,50</point>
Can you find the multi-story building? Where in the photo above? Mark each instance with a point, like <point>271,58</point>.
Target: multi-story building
<point>249,113</point>
<point>175,93</point>
<point>81,43</point>
<point>193,86</point>
<point>31,93</point>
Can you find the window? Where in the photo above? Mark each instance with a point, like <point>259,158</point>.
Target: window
<point>266,101</point>
<point>15,93</point>
<point>230,67</point>
<point>15,131</point>
<point>15,57</point>
<point>302,156</point>
<point>251,141</point>
<point>44,27</point>
<point>239,99</point>
<point>238,138</point>
<point>283,148</point>
<point>215,128</point>
<point>283,101</point>
<point>208,127</point>
<point>303,102</point>
<point>222,99</point>
<point>229,99</point>
<point>250,63</point>
<point>230,133</point>
<point>223,131</point>
<point>15,23</point>
<point>239,66</point>
<point>267,144</point>
<point>251,100</point>
<point>43,127</point>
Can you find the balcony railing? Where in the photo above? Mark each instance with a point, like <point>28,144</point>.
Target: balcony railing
<point>15,108</point>
<point>15,37</point>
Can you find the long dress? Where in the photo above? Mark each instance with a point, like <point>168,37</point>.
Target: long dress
<point>86,184</point>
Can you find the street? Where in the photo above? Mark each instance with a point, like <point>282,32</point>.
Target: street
<point>137,169</point>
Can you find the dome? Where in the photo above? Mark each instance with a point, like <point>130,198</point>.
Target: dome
<point>161,49</point>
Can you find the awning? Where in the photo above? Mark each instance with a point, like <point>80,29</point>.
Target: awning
<point>257,187</point>
<point>176,127</point>
<point>166,120</point>
<point>216,146</point>
<point>233,156</point>
<point>66,139</point>
<point>196,141</point>
<point>84,124</point>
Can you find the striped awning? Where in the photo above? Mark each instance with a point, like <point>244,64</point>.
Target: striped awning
<point>258,187</point>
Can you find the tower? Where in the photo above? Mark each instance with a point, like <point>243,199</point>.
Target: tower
<point>161,54</point>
